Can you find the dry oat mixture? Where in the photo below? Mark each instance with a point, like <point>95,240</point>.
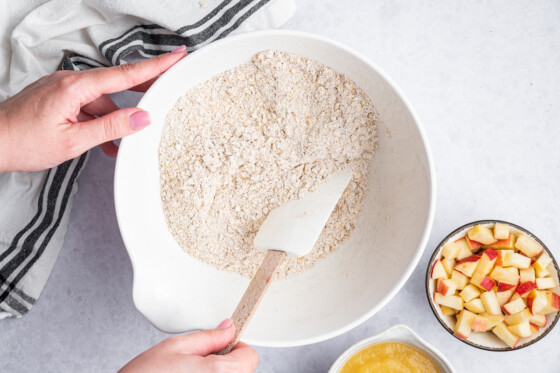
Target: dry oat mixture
<point>252,138</point>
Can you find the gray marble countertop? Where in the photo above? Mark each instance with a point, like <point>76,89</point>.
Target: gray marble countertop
<point>484,79</point>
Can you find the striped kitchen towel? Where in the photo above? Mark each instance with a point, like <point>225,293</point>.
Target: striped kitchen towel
<point>39,37</point>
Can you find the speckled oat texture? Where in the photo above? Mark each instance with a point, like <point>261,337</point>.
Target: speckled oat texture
<point>252,138</point>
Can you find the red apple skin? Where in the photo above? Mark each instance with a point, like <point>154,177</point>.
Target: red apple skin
<point>505,311</point>
<point>480,325</point>
<point>526,287</point>
<point>491,253</point>
<point>460,336</point>
<point>475,245</point>
<point>503,286</point>
<point>487,283</point>
<point>555,300</point>
<point>472,258</point>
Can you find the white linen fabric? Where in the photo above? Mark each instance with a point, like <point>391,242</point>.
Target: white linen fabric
<point>39,37</point>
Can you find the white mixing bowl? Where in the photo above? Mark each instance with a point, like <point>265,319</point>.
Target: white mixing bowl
<point>177,293</point>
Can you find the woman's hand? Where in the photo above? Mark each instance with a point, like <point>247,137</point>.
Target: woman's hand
<point>192,353</point>
<point>64,114</point>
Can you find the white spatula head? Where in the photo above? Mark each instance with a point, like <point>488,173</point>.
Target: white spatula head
<point>295,226</point>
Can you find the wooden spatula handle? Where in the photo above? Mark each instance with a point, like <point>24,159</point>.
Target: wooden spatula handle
<point>253,295</point>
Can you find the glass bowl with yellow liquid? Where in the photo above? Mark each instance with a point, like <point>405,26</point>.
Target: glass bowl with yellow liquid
<point>397,349</point>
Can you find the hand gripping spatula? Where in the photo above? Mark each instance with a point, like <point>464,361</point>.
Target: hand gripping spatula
<point>291,229</point>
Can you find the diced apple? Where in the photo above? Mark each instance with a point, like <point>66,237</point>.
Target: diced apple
<point>516,260</point>
<point>527,274</point>
<point>516,296</point>
<point>508,243</point>
<point>538,320</point>
<point>493,320</point>
<point>448,265</point>
<point>460,279</point>
<point>522,329</point>
<point>546,283</point>
<point>516,318</point>
<point>475,306</point>
<point>501,231</point>
<point>467,265</point>
<point>465,249</point>
<point>451,250</point>
<point>525,288</point>
<point>446,287</point>
<point>490,302</point>
<point>480,324</point>
<point>536,301</point>
<point>534,329</point>
<point>469,293</point>
<point>437,270</point>
<point>503,286</point>
<point>482,281</point>
<point>513,270</point>
<point>552,303</point>
<point>541,265</point>
<point>513,306</point>
<point>446,311</point>
<point>504,296</point>
<point>451,301</point>
<point>540,271</point>
<point>463,326</point>
<point>528,246</point>
<point>487,261</point>
<point>501,274</point>
<point>501,255</point>
<point>473,245</point>
<point>502,331</point>
<point>481,234</point>
<point>544,259</point>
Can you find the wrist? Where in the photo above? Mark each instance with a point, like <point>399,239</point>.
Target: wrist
<point>5,148</point>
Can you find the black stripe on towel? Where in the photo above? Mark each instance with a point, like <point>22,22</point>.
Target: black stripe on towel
<point>29,243</point>
<point>208,17</point>
<point>190,41</point>
<point>17,237</point>
<point>53,229</point>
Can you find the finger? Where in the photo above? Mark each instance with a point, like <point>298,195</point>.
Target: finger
<point>207,341</point>
<point>109,127</point>
<point>110,149</point>
<point>246,356</point>
<point>100,106</point>
<point>143,87</point>
<point>119,78</point>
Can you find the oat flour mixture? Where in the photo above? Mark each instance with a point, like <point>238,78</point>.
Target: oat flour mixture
<point>252,138</point>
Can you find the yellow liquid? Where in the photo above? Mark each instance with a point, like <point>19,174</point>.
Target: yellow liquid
<point>391,357</point>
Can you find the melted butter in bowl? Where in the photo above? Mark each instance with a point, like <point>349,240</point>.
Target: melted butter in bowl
<point>397,349</point>
<point>389,357</point>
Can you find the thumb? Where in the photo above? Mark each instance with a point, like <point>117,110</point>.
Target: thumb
<point>206,342</point>
<point>112,126</point>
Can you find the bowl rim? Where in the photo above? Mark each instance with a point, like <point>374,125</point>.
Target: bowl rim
<point>430,168</point>
<point>446,327</point>
<point>419,343</point>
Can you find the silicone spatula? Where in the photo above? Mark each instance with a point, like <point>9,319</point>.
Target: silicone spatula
<point>289,230</point>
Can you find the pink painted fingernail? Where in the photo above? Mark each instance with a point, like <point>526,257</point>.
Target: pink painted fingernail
<point>225,324</point>
<point>139,120</point>
<point>179,50</point>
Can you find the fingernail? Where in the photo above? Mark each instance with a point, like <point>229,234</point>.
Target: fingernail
<point>139,120</point>
<point>225,324</point>
<point>179,50</point>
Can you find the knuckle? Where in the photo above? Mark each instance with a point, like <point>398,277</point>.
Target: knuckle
<point>111,130</point>
<point>67,82</point>
<point>128,68</point>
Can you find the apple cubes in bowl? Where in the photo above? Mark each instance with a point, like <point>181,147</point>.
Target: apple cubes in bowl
<point>494,277</point>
